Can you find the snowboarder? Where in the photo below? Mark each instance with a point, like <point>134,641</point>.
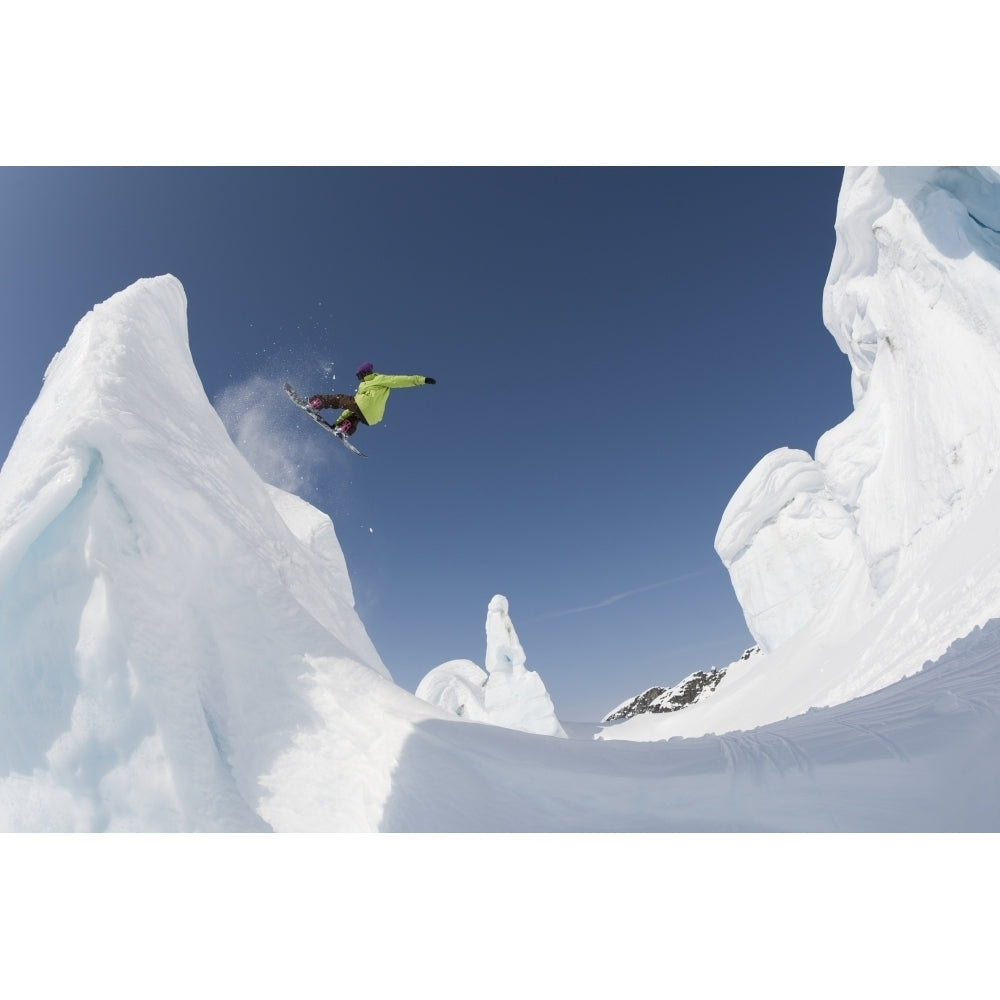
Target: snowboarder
<point>367,405</point>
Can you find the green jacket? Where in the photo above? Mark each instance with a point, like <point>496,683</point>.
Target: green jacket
<point>372,393</point>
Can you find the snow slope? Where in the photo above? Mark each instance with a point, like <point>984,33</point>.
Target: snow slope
<point>919,755</point>
<point>179,648</point>
<point>178,640</point>
<point>858,565</point>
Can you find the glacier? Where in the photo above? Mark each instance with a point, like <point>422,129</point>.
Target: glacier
<point>170,625</point>
<point>859,564</point>
<point>180,648</point>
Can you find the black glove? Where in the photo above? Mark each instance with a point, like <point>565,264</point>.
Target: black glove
<point>430,381</point>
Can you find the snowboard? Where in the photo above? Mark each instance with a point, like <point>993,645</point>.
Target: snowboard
<point>304,406</point>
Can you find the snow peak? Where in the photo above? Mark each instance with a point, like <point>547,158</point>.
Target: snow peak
<point>659,699</point>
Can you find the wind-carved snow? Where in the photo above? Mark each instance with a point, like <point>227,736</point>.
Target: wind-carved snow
<point>505,694</point>
<point>171,628</point>
<point>857,565</point>
<point>179,648</point>
<point>788,544</point>
<point>457,687</point>
<point>912,300</point>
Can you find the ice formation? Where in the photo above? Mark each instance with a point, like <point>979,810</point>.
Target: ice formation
<point>172,629</point>
<point>857,565</point>
<point>505,694</point>
<point>913,300</point>
<point>179,648</point>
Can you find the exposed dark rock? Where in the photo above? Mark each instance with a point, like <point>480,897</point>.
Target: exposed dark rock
<point>671,699</point>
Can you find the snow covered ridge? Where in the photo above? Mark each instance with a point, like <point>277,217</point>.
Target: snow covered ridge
<point>859,564</point>
<point>671,699</point>
<point>913,300</point>
<point>689,691</point>
<point>505,694</point>
<point>179,648</point>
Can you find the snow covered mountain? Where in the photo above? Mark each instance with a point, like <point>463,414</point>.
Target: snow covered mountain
<point>172,629</point>
<point>179,647</point>
<point>688,691</point>
<point>856,566</point>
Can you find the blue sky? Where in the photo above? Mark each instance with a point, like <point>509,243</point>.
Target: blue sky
<point>615,348</point>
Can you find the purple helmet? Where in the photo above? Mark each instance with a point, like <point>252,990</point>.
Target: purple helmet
<point>366,369</point>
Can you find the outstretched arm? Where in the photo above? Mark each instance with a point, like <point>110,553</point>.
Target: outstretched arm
<point>399,381</point>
